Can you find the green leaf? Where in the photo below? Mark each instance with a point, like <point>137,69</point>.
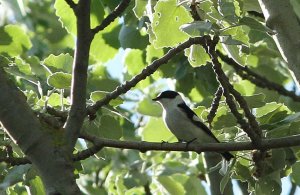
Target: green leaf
<point>152,53</point>
<point>245,87</point>
<point>102,50</point>
<point>36,67</point>
<point>193,186</point>
<point>97,13</point>
<point>205,81</point>
<point>270,184</point>
<point>224,181</point>
<point>234,52</point>
<point>278,159</point>
<point>110,128</point>
<point>140,8</point>
<point>223,121</point>
<point>14,40</point>
<point>168,17</point>
<point>92,127</point>
<point>250,5</point>
<point>23,66</point>
<point>255,25</point>
<point>150,131</point>
<point>60,80</point>
<point>295,173</point>
<point>268,108</point>
<point>149,107</point>
<point>4,61</point>
<point>60,63</point>
<point>128,38</point>
<point>197,56</point>
<point>227,10</point>
<point>14,70</point>
<point>6,39</point>
<point>36,186</point>
<point>243,173</point>
<point>101,84</point>
<point>197,28</point>
<point>256,100</point>
<point>134,61</point>
<point>171,186</point>
<point>99,95</point>
<point>228,40</point>
<point>66,16</point>
<point>111,37</point>
<point>55,100</point>
<point>271,112</point>
<point>296,6</point>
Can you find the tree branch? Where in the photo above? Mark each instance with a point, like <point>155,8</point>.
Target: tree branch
<point>150,69</point>
<point>13,161</point>
<point>256,78</point>
<point>141,146</point>
<point>71,4</point>
<point>253,130</point>
<point>112,16</point>
<point>272,143</point>
<point>214,105</point>
<point>79,75</point>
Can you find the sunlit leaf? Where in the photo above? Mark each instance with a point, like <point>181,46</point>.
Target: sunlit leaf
<point>169,16</point>
<point>60,80</point>
<point>99,95</point>
<point>62,62</point>
<point>14,40</point>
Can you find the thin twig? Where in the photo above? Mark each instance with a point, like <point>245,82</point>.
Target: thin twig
<point>112,16</point>
<point>228,89</point>
<point>256,78</point>
<point>14,161</point>
<point>71,4</point>
<point>150,69</point>
<point>214,106</point>
<point>194,11</point>
<point>79,74</point>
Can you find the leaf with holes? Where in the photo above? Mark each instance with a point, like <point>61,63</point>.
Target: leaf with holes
<point>168,17</point>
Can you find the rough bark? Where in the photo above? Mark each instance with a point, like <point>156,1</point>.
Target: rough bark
<point>79,74</point>
<point>27,132</point>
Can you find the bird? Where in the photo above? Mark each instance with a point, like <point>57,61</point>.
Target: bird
<point>183,122</point>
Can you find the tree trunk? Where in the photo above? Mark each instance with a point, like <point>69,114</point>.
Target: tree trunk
<point>281,18</point>
<point>27,132</point>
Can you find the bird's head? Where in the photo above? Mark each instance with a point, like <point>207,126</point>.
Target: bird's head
<point>169,99</point>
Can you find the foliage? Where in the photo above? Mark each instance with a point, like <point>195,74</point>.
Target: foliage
<point>37,41</point>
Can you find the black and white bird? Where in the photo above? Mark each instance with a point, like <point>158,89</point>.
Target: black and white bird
<point>183,122</point>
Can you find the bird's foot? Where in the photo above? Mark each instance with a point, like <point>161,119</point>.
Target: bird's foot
<point>163,142</point>
<point>189,142</point>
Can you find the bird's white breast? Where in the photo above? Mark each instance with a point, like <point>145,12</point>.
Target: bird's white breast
<point>181,126</point>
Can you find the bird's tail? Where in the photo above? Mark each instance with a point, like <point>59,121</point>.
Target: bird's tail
<point>227,155</point>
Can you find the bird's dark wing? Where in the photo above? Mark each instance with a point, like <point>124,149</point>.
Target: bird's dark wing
<point>195,119</point>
